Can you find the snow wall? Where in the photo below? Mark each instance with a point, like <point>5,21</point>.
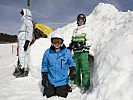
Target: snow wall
<point>113,52</point>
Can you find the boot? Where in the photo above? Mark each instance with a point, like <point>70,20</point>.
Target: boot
<point>68,88</point>
<point>17,69</point>
<point>21,74</point>
<point>83,90</point>
<point>26,73</point>
<point>16,72</point>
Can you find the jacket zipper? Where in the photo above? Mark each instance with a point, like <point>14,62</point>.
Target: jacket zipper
<point>61,62</point>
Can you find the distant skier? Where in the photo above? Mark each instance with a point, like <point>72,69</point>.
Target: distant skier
<point>24,39</point>
<point>55,63</point>
<point>80,44</point>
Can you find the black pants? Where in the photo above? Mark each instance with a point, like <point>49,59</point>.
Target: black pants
<point>61,91</point>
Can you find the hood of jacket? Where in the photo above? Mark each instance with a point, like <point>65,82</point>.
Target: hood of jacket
<point>27,14</point>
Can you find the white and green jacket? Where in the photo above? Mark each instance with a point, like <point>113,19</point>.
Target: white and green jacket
<point>80,35</point>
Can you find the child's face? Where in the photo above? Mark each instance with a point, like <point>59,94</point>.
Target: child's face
<point>57,43</point>
<point>80,22</point>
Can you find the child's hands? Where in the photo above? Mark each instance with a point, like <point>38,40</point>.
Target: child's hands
<point>72,73</point>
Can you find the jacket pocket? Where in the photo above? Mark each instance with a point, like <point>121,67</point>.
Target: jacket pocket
<point>62,62</point>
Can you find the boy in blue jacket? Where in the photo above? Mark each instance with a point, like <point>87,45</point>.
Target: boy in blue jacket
<point>55,63</point>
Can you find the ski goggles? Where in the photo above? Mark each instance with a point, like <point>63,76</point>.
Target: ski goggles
<point>57,40</point>
<point>81,19</point>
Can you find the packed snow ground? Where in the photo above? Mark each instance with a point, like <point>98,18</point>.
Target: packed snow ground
<point>113,69</point>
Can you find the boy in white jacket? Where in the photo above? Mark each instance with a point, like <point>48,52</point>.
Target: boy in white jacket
<point>80,44</point>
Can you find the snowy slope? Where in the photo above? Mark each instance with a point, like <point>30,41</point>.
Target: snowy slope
<point>6,52</point>
<point>113,68</point>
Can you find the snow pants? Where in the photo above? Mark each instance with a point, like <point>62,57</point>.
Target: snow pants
<point>22,55</point>
<point>60,91</point>
<point>82,67</point>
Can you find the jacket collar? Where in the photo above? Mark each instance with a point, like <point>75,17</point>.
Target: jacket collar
<point>82,26</point>
<point>62,47</point>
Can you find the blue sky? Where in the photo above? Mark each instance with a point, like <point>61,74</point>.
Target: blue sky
<point>54,13</point>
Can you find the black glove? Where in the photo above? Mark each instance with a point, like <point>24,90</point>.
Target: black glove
<point>26,45</point>
<point>72,73</point>
<point>45,79</point>
<point>71,46</point>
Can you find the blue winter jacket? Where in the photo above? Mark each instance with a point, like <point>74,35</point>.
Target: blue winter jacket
<point>56,64</point>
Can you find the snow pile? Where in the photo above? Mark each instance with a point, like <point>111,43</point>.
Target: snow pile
<point>36,54</point>
<point>113,52</point>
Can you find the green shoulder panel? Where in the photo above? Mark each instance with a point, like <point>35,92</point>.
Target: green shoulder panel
<point>79,38</point>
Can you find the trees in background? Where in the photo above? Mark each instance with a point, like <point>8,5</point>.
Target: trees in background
<point>4,38</point>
